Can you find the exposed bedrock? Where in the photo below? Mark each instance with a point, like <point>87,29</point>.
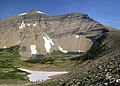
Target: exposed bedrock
<point>41,33</point>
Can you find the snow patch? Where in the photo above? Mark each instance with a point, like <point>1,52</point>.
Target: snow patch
<point>25,70</point>
<point>28,24</point>
<point>48,43</point>
<point>80,51</point>
<point>39,12</point>
<point>4,47</point>
<point>77,36</point>
<point>61,49</point>
<point>23,14</point>
<point>35,76</point>
<point>34,24</point>
<point>52,29</point>
<point>33,49</point>
<point>22,25</point>
<point>50,40</point>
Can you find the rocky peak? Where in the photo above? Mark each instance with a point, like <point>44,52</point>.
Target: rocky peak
<point>34,12</point>
<point>31,12</point>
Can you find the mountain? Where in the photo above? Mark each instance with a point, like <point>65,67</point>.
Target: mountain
<point>92,50</point>
<point>41,33</point>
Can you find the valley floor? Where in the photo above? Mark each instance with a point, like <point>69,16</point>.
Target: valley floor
<point>11,76</point>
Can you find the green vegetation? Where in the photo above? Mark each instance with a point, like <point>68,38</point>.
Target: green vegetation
<point>6,64</point>
<point>9,61</point>
<point>56,54</point>
<point>49,58</point>
<point>12,75</point>
<point>37,59</point>
<point>116,43</point>
<point>22,48</point>
<point>92,53</point>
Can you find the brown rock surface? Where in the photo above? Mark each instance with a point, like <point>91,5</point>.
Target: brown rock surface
<point>73,32</point>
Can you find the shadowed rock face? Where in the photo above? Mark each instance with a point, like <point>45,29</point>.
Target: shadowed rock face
<point>73,32</point>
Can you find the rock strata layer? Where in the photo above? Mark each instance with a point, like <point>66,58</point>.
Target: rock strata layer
<point>41,33</point>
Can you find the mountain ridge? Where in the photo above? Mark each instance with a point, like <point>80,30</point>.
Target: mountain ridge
<point>47,33</point>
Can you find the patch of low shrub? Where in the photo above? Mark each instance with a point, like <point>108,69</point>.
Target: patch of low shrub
<point>8,75</point>
<point>12,49</point>
<point>92,53</point>
<point>41,60</point>
<point>49,58</point>
<point>6,64</point>
<point>11,75</point>
<point>22,48</point>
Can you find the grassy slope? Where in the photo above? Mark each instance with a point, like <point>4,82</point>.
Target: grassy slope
<point>8,72</point>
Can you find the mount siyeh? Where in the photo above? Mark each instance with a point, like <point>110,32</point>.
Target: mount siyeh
<point>41,33</point>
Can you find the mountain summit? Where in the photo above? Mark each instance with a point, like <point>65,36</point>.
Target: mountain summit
<point>40,33</point>
<point>31,12</point>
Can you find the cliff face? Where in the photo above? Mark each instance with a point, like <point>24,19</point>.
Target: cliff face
<point>41,33</point>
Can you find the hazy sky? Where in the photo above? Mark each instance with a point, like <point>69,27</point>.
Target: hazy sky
<point>104,11</point>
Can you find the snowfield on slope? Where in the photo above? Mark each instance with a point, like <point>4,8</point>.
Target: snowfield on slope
<point>48,43</point>
<point>35,76</point>
<point>33,49</point>
<point>22,25</point>
<point>61,49</point>
<point>22,13</point>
